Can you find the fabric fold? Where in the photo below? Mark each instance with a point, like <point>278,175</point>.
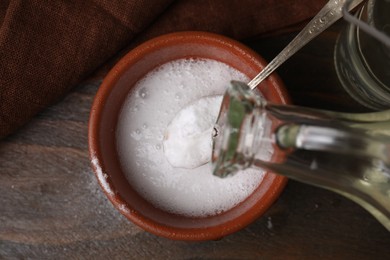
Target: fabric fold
<point>48,47</point>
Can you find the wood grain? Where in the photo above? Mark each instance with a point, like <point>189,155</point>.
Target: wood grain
<point>51,206</point>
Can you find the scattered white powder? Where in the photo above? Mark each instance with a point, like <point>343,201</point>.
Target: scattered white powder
<point>269,223</point>
<point>102,177</point>
<point>187,140</point>
<point>146,114</point>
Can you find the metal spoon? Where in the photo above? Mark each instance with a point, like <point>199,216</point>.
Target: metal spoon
<point>328,15</point>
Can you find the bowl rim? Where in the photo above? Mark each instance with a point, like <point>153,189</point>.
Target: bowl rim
<point>95,153</point>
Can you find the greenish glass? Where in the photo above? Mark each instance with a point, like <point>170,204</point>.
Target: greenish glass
<point>362,61</point>
<point>346,153</point>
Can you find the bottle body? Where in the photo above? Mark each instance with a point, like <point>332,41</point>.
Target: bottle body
<point>345,153</point>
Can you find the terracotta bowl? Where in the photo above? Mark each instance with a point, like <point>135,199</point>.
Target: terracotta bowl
<point>103,121</point>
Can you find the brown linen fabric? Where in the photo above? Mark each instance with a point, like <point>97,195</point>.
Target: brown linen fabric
<point>47,47</point>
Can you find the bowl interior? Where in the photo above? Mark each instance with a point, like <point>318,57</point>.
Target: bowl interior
<point>102,138</point>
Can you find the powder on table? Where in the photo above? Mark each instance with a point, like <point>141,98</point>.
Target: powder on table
<point>149,108</point>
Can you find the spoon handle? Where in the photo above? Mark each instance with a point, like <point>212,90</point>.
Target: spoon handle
<point>329,14</point>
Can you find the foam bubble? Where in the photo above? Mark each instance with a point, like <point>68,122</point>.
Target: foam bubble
<point>191,192</point>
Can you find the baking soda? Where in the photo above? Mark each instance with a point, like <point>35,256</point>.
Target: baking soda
<point>188,138</point>
<point>146,117</point>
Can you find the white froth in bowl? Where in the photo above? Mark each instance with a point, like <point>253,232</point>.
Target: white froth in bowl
<point>188,138</point>
<point>150,110</point>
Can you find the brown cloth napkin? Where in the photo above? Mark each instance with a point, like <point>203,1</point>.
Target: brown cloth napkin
<point>47,47</point>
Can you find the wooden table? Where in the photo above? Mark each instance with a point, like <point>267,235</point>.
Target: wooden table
<point>52,207</point>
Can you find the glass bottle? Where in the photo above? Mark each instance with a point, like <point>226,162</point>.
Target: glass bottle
<point>362,55</point>
<point>342,152</point>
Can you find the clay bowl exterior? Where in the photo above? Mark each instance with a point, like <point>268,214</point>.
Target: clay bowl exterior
<point>102,138</point>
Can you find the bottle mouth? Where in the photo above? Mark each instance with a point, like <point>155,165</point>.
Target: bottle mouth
<point>235,132</point>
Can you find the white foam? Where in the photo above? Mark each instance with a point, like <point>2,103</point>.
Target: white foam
<point>148,110</point>
<point>188,138</point>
